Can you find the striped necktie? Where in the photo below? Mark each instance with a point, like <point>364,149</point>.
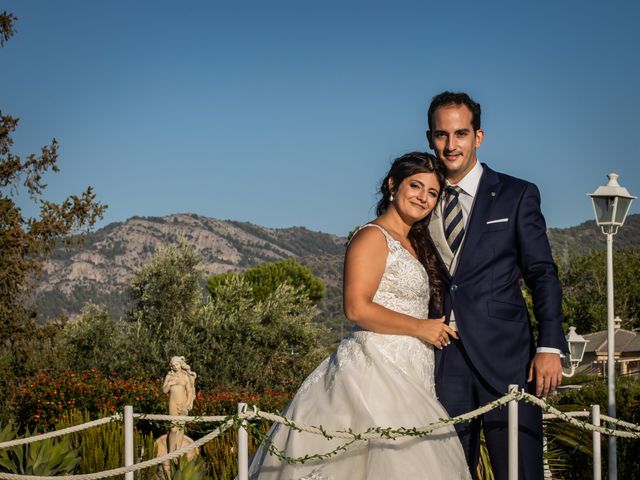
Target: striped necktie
<point>453,221</point>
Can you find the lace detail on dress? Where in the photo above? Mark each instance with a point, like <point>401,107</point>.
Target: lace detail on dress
<point>404,286</point>
<point>349,351</point>
<point>408,355</point>
<point>314,475</point>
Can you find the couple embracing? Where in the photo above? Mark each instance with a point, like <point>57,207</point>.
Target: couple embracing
<point>433,288</point>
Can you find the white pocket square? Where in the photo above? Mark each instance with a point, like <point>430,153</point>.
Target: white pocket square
<point>499,220</point>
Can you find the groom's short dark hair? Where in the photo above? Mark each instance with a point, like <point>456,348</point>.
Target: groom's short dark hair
<point>455,98</point>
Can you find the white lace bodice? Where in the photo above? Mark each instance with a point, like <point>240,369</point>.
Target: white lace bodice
<point>404,286</point>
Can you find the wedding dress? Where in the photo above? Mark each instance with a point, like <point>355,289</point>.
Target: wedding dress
<point>371,380</point>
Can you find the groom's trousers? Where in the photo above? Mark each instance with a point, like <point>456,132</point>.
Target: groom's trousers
<point>461,389</point>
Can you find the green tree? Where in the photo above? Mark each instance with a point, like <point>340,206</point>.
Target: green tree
<point>237,338</point>
<point>270,343</point>
<point>95,341</point>
<point>25,241</point>
<point>167,303</point>
<point>584,285</point>
<point>6,26</point>
<point>167,289</point>
<point>266,278</point>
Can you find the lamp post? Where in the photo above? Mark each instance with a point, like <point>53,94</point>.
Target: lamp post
<point>577,346</point>
<point>611,203</point>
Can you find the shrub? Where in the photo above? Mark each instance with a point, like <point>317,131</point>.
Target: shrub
<point>224,401</point>
<point>95,341</point>
<point>220,454</point>
<point>271,343</point>
<point>239,339</point>
<point>50,457</point>
<point>46,399</point>
<point>185,469</point>
<point>37,350</point>
<point>266,278</point>
<point>576,444</point>
<point>167,303</point>
<point>46,403</point>
<point>102,447</point>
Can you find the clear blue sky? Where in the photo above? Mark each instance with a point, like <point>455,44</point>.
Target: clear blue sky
<point>288,113</point>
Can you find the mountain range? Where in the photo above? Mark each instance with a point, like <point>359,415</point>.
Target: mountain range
<point>100,269</point>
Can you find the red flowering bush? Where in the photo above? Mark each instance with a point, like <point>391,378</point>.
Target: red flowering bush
<point>224,401</point>
<point>45,399</point>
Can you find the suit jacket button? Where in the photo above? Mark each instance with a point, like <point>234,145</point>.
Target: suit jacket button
<point>454,287</point>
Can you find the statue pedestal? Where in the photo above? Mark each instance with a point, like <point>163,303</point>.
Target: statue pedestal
<point>162,445</point>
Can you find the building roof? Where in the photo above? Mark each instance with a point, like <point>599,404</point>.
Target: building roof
<point>625,341</point>
<point>634,345</point>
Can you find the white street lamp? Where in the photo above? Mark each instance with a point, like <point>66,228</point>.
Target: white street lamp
<point>611,203</point>
<point>577,346</point>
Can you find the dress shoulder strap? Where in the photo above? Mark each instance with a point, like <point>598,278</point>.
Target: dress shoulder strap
<point>391,242</point>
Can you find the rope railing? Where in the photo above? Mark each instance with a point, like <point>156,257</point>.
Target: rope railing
<point>582,424</point>
<point>622,423</point>
<point>580,413</point>
<point>59,433</point>
<point>606,418</point>
<point>122,470</point>
<point>180,418</point>
<point>239,421</point>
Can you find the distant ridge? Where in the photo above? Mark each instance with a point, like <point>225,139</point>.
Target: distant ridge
<point>100,269</point>
<point>587,237</point>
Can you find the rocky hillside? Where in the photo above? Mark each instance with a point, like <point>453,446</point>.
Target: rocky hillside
<point>100,270</point>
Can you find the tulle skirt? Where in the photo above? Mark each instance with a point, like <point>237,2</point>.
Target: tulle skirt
<point>372,380</point>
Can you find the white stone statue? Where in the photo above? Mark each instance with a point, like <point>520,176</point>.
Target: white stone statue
<point>179,383</point>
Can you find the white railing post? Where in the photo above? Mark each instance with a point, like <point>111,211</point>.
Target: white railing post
<point>597,460</point>
<point>513,435</point>
<point>243,447</point>
<point>545,462</point>
<point>128,440</point>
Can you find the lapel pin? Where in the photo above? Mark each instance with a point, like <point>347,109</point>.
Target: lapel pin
<point>493,194</point>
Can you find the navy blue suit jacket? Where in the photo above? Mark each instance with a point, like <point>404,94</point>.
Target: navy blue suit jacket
<point>484,289</point>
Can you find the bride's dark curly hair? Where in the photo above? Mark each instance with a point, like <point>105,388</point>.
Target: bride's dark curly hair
<point>403,167</point>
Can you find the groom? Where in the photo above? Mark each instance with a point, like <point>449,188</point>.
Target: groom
<point>490,234</point>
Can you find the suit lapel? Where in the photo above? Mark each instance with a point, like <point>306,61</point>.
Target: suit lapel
<point>488,190</point>
<point>436,230</point>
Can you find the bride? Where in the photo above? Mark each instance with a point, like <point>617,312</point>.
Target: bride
<point>382,374</point>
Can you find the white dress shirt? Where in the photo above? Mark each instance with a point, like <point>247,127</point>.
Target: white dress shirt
<point>468,188</point>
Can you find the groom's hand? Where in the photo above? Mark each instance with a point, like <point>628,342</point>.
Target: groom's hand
<point>546,368</point>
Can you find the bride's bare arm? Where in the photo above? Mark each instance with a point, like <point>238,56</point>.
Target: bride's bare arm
<point>363,269</point>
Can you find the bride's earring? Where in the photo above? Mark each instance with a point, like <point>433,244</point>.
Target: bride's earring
<point>391,197</point>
